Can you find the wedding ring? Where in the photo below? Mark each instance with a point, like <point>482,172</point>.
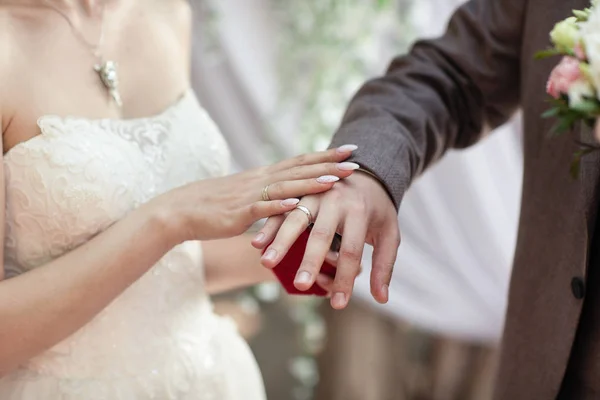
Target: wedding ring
<point>306,211</point>
<point>265,194</point>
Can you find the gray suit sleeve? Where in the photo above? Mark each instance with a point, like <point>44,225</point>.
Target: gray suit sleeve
<point>444,94</point>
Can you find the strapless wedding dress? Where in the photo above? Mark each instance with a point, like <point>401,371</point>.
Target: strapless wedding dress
<point>160,339</point>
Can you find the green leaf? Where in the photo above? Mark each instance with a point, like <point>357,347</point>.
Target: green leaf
<point>565,123</point>
<point>540,55</point>
<point>552,112</point>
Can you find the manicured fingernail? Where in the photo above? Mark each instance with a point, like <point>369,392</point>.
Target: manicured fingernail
<point>259,237</point>
<point>303,277</point>
<point>290,202</point>
<point>385,289</point>
<point>339,300</point>
<point>327,179</point>
<point>347,166</point>
<point>270,255</point>
<point>347,148</point>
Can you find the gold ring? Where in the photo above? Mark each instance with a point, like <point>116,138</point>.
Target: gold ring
<point>306,211</point>
<point>265,194</point>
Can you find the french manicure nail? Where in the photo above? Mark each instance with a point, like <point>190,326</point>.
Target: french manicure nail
<point>347,166</point>
<point>327,179</point>
<point>339,300</point>
<point>347,148</point>
<point>270,255</point>
<point>303,277</point>
<point>259,237</point>
<point>290,202</point>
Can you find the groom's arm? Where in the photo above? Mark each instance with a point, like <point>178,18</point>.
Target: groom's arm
<point>445,93</point>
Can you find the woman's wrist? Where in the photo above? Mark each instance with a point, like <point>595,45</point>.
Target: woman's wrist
<point>165,221</point>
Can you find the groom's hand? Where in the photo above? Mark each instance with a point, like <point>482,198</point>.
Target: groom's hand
<point>360,210</point>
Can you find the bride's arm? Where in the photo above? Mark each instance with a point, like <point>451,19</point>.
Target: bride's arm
<point>233,263</point>
<point>41,307</point>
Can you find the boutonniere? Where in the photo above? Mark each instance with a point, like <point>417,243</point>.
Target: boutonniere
<point>574,84</point>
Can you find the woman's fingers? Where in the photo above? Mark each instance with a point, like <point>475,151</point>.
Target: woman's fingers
<point>300,188</point>
<point>341,170</point>
<point>332,155</point>
<point>265,209</point>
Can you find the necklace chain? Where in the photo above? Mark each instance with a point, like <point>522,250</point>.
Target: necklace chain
<point>94,48</point>
<point>107,70</point>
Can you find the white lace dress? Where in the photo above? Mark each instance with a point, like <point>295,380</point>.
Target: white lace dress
<point>160,339</point>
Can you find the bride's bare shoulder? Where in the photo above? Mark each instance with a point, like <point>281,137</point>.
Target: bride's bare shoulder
<point>12,17</point>
<point>5,40</point>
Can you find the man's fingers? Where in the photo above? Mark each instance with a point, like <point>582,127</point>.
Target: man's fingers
<point>293,226</point>
<point>325,282</point>
<point>351,250</point>
<point>385,250</point>
<point>318,246</point>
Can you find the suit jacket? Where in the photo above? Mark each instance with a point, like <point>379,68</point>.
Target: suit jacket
<point>447,93</point>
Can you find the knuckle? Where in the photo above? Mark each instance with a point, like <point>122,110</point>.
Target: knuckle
<point>263,171</point>
<point>228,222</point>
<point>275,189</point>
<point>357,207</point>
<point>295,172</point>
<point>351,251</point>
<point>254,210</point>
<point>334,195</point>
<point>322,233</point>
<point>301,159</point>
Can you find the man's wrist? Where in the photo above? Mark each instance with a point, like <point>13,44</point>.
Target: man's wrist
<point>365,172</point>
<point>372,175</point>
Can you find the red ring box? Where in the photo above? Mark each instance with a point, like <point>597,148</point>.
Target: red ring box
<point>286,270</point>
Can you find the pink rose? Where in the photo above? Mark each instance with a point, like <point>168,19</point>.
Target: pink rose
<point>563,76</point>
<point>578,50</point>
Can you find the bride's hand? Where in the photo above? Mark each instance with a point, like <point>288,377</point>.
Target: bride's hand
<point>228,206</point>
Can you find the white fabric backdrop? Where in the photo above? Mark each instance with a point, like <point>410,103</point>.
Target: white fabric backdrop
<point>458,221</point>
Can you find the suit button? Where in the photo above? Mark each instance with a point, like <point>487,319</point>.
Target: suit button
<point>578,287</point>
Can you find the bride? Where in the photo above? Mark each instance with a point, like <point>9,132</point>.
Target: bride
<point>112,174</point>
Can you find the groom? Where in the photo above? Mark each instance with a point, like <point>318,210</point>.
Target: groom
<point>447,93</point>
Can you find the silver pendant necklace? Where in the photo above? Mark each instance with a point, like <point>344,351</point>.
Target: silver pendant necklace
<point>107,70</point>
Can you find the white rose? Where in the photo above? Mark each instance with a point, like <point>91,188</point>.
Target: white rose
<point>592,49</point>
<point>565,34</point>
<point>578,90</point>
